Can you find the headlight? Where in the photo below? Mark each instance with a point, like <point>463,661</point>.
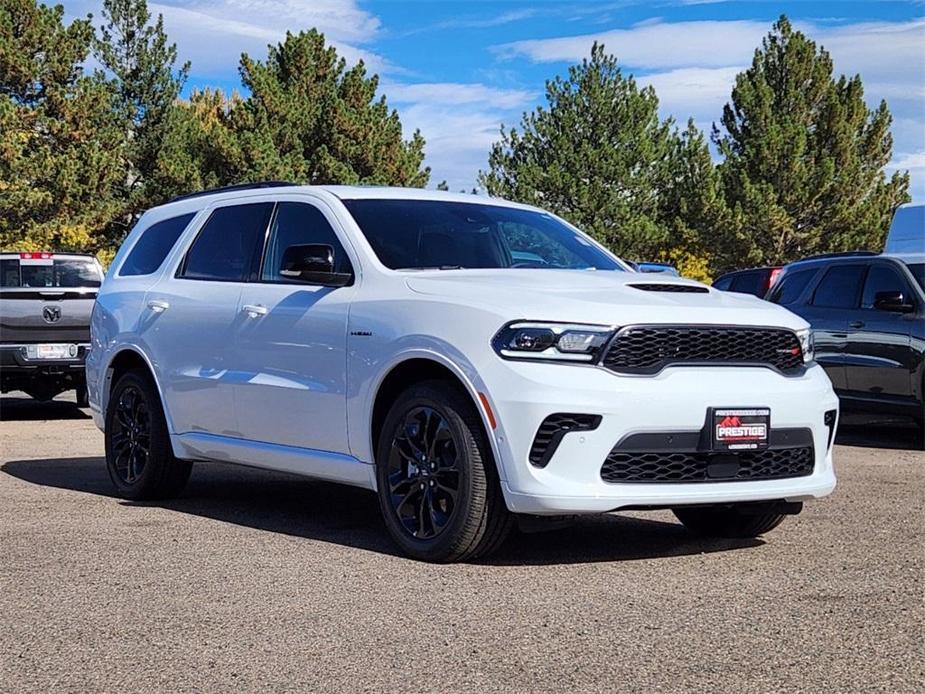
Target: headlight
<point>807,344</point>
<point>553,341</point>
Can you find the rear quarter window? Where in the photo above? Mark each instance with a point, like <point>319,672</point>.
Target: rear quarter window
<point>790,287</point>
<point>149,252</point>
<point>749,283</point>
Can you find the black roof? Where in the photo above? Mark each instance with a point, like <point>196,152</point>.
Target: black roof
<point>237,186</point>
<point>835,256</point>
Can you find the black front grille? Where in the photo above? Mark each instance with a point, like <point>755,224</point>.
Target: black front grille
<point>678,466</point>
<point>649,349</point>
<point>676,288</point>
<point>551,431</point>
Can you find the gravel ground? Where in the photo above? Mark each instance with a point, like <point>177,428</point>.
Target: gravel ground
<point>255,581</point>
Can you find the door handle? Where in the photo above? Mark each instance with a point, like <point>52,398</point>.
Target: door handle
<point>254,310</point>
<point>856,324</point>
<point>158,306</point>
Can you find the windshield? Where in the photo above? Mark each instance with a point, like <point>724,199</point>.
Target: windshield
<point>918,271</point>
<point>73,272</point>
<point>907,231</point>
<point>426,234</point>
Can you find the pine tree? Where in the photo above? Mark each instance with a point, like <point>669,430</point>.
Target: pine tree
<point>804,157</point>
<point>598,155</point>
<point>137,53</point>
<point>59,142</point>
<point>311,119</point>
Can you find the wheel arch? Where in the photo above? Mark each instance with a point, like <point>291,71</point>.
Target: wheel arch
<point>418,367</point>
<point>127,358</point>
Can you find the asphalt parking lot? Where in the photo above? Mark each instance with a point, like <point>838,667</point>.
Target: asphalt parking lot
<point>254,581</point>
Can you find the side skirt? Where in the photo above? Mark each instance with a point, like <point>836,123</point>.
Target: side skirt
<point>334,467</point>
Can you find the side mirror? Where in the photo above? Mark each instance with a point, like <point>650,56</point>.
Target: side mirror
<point>894,302</point>
<point>313,263</point>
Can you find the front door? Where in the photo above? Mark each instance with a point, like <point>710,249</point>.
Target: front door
<point>879,361</point>
<point>290,354</point>
<point>834,301</point>
<point>191,317</point>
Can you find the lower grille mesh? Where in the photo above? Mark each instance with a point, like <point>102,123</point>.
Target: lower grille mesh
<point>676,466</point>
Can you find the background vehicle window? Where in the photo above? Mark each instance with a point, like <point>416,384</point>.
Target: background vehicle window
<point>748,283</point>
<point>723,283</point>
<point>918,271</point>
<point>9,273</point>
<point>229,246</point>
<point>419,234</point>
<point>298,224</point>
<point>840,287</point>
<point>155,243</point>
<point>789,288</point>
<point>72,273</point>
<point>882,278</point>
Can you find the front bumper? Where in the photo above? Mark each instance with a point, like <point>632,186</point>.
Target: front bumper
<point>676,400</point>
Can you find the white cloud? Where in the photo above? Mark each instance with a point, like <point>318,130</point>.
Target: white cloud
<point>692,66</point>
<point>213,33</point>
<point>692,91</point>
<point>454,93</point>
<point>459,122</point>
<point>659,45</point>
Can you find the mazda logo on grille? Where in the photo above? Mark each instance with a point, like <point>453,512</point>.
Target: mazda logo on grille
<point>51,314</point>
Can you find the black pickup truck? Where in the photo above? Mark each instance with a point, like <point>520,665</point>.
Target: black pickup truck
<point>45,305</point>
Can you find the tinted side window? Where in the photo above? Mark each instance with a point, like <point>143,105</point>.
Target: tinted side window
<point>229,245</point>
<point>723,283</point>
<point>791,286</point>
<point>840,287</point>
<point>749,283</point>
<point>297,224</point>
<point>9,273</point>
<point>882,278</point>
<point>155,243</point>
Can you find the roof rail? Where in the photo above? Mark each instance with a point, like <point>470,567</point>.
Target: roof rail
<point>237,186</point>
<point>841,254</point>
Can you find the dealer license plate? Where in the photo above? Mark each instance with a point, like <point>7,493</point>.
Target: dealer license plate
<point>54,351</point>
<point>740,429</point>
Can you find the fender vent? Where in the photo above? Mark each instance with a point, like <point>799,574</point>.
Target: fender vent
<point>551,431</point>
<point>674,288</point>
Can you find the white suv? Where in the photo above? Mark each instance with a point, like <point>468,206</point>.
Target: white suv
<point>469,359</point>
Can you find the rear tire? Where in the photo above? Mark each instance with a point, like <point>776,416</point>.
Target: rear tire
<point>438,487</point>
<point>139,458</point>
<point>81,395</point>
<point>727,522</point>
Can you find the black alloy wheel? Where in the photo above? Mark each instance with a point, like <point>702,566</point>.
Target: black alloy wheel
<point>423,473</point>
<point>437,484</point>
<point>131,436</point>
<point>139,456</point>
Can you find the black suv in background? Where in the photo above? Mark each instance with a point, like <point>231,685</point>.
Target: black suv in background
<point>868,313</point>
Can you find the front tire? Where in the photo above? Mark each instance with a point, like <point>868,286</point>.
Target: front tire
<point>728,522</point>
<point>139,458</point>
<point>438,488</point>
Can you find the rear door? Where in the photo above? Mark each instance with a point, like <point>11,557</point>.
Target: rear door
<point>833,302</point>
<point>879,360</point>
<point>191,316</point>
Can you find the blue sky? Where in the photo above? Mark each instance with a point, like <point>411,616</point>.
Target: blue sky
<point>458,70</point>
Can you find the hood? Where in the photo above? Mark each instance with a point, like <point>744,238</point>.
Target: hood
<point>602,297</point>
